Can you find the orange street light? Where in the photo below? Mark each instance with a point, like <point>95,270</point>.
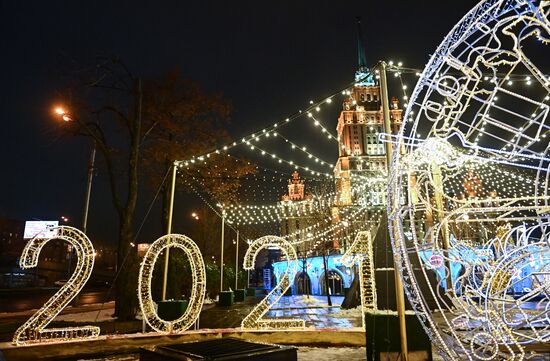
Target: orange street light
<point>67,117</point>
<point>63,113</point>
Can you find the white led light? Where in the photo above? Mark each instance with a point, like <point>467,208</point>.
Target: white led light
<point>34,329</point>
<point>254,321</point>
<point>198,284</point>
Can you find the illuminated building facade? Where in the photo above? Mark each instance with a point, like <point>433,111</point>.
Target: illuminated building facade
<point>361,154</point>
<point>310,279</point>
<point>297,205</point>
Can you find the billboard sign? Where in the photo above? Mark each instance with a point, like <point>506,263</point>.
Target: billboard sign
<point>40,228</point>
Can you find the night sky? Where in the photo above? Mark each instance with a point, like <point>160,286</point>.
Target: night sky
<point>268,58</point>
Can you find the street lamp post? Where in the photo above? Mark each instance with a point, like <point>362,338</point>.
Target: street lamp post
<point>399,290</point>
<point>69,256</point>
<point>169,229</point>
<point>237,261</point>
<point>91,165</point>
<point>222,244</point>
<point>67,117</point>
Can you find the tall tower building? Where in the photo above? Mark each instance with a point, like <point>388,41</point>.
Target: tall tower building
<point>296,208</point>
<point>361,155</point>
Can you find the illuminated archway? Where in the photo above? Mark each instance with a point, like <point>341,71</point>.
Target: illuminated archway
<point>335,282</point>
<point>302,284</point>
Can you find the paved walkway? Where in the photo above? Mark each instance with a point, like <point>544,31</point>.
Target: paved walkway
<point>313,309</point>
<point>316,312</point>
<point>302,301</point>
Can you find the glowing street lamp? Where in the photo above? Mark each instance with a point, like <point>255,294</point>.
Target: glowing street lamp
<point>63,113</point>
<point>66,116</point>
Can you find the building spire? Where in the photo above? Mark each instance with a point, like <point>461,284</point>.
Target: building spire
<point>363,77</point>
<point>362,58</point>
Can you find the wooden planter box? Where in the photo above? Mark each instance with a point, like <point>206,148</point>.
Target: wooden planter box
<point>383,338</point>
<point>172,310</point>
<point>227,298</point>
<point>250,292</point>
<point>224,349</point>
<point>239,295</point>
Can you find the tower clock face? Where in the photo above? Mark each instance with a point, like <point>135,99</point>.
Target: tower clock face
<point>468,199</point>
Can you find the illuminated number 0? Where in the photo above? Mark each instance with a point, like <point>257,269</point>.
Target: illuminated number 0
<point>198,284</point>
<point>34,330</point>
<point>253,320</point>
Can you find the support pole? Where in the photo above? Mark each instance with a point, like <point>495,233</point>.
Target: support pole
<point>91,165</point>
<point>438,184</point>
<point>169,229</point>
<point>237,261</point>
<point>399,292</point>
<point>221,256</point>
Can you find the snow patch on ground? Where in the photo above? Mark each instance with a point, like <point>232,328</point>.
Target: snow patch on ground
<point>390,312</point>
<point>352,312</point>
<point>331,353</point>
<point>304,354</point>
<point>90,316</point>
<point>209,301</point>
<point>305,299</point>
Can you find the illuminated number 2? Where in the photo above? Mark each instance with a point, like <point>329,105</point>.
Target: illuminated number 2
<point>253,320</point>
<point>198,284</point>
<point>34,330</point>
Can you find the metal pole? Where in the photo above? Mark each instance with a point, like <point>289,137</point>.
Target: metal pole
<point>221,256</point>
<point>436,174</point>
<point>91,165</point>
<point>169,229</point>
<point>237,261</point>
<point>399,292</point>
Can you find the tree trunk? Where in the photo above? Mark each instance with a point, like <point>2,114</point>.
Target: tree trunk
<point>352,298</point>
<point>329,301</point>
<point>126,303</point>
<point>165,212</point>
<point>305,285</point>
<point>127,262</point>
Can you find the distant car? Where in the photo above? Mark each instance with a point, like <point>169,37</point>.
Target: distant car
<point>97,283</point>
<point>60,283</point>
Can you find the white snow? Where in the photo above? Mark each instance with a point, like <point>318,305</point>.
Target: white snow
<point>331,353</point>
<point>352,312</point>
<point>90,316</point>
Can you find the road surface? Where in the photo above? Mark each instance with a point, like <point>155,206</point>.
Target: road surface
<point>17,300</point>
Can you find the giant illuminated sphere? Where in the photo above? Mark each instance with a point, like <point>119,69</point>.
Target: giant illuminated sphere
<point>468,196</point>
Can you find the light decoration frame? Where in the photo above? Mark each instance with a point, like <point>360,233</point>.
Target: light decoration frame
<point>34,329</point>
<point>253,321</point>
<point>360,252</point>
<point>198,284</point>
<point>467,117</point>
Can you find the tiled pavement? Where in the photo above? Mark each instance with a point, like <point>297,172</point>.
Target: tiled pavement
<point>314,310</point>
